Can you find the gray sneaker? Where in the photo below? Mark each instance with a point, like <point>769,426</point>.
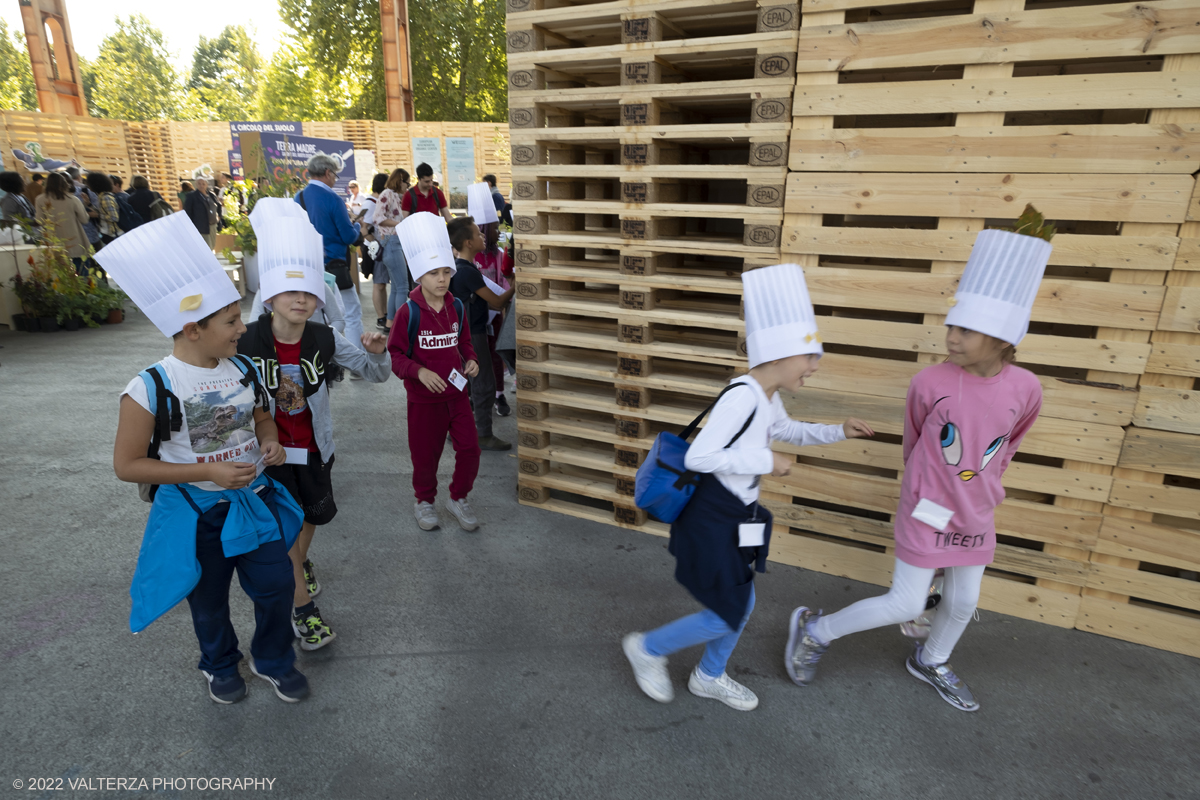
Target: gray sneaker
<point>942,678</point>
<point>462,512</point>
<point>649,671</point>
<point>427,517</point>
<point>803,651</point>
<point>494,443</point>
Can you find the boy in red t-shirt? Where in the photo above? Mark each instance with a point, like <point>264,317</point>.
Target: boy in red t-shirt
<point>424,196</point>
<point>434,365</point>
<point>294,355</point>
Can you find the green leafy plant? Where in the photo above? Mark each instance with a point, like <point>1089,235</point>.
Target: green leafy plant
<point>1032,223</point>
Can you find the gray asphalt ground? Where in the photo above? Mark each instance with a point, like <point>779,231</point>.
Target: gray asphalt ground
<point>488,665</point>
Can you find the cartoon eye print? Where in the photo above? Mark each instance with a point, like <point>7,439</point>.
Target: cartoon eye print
<point>991,451</point>
<point>952,446</point>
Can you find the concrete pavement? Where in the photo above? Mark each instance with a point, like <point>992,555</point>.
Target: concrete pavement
<point>488,665</point>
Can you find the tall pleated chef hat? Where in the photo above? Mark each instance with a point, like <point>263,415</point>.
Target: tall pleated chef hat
<point>291,254</point>
<point>779,315</point>
<point>480,205</point>
<point>999,285</point>
<point>169,272</point>
<point>425,243</point>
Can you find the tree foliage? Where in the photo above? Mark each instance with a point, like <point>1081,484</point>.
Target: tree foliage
<point>225,73</point>
<point>460,69</point>
<point>17,91</point>
<point>458,55</point>
<point>293,88</point>
<point>343,41</point>
<point>132,77</point>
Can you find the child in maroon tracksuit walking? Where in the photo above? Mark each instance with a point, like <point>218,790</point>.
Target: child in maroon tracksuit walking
<point>431,351</point>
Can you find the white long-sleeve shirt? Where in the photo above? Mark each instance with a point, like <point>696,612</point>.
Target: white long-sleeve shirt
<point>739,467</point>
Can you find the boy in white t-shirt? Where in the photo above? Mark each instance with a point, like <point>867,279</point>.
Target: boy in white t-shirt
<point>196,427</point>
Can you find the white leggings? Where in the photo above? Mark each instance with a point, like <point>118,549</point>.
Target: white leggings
<point>905,601</point>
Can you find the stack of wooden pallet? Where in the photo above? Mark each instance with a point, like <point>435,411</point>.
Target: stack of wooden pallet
<point>939,119</point>
<point>915,125</point>
<point>649,146</point>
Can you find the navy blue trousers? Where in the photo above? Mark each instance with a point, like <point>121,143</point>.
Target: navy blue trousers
<point>266,577</point>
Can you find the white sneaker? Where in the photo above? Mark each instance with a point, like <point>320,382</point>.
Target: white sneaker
<point>462,512</point>
<point>725,689</point>
<point>649,671</point>
<point>427,517</point>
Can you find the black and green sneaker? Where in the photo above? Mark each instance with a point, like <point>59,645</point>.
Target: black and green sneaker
<point>310,579</point>
<point>313,632</point>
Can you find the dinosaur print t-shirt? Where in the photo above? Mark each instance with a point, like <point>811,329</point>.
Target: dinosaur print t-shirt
<point>960,433</point>
<point>218,415</point>
<point>293,417</point>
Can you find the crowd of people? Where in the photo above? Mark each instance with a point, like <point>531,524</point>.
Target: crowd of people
<point>231,436</point>
<point>82,213</point>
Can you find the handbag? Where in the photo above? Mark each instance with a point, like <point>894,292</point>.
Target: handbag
<point>663,485</point>
<point>339,268</point>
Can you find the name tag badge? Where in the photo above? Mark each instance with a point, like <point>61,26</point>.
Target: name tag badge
<point>457,379</point>
<point>933,515</point>
<point>750,534</point>
<point>296,455</point>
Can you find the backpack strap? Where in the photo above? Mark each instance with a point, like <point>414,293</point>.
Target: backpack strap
<point>164,405</point>
<point>687,432</point>
<point>414,324</point>
<point>300,199</point>
<point>250,376</point>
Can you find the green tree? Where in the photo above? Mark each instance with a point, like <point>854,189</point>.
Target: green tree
<point>132,77</point>
<point>460,70</point>
<point>225,72</point>
<point>343,42</point>
<point>17,91</point>
<point>293,88</point>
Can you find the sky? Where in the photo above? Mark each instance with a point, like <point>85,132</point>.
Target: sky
<point>182,23</point>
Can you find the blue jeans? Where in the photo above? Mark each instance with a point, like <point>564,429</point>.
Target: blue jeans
<point>397,266</point>
<point>703,627</point>
<point>266,576</point>
<point>354,324</point>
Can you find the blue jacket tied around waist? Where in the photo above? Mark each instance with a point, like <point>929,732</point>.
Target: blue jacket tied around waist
<point>167,569</point>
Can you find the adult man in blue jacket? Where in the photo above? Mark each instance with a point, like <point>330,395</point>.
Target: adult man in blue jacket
<point>327,212</point>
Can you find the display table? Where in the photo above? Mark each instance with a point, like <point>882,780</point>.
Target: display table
<point>10,258</point>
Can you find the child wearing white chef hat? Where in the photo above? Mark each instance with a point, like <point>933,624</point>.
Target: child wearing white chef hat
<point>964,419</point>
<point>431,352</point>
<point>496,267</point>
<point>723,534</point>
<point>295,355</point>
<point>195,429</point>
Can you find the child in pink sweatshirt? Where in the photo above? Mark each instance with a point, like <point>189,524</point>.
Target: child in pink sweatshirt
<point>964,420</point>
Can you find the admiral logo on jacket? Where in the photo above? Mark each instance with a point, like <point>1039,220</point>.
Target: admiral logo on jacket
<point>442,345</point>
<point>428,340</point>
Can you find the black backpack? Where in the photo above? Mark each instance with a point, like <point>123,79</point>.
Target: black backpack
<point>127,218</point>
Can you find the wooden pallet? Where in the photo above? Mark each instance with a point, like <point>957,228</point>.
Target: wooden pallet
<point>149,148</point>
<point>987,104</point>
<point>537,25</point>
<point>196,143</point>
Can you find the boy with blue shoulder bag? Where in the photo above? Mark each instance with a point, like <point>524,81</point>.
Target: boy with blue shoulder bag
<point>719,533</point>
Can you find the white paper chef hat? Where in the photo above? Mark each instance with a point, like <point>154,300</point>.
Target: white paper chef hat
<point>480,204</point>
<point>779,315</point>
<point>277,207</point>
<point>291,256</point>
<point>999,284</point>
<point>169,272</point>
<point>425,243</point>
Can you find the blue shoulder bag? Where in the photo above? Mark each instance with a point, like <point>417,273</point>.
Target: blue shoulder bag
<point>663,485</point>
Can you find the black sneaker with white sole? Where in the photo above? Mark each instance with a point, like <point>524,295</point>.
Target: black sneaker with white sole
<point>291,687</point>
<point>227,690</point>
<point>502,406</point>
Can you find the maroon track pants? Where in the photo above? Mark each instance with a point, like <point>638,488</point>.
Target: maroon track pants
<point>428,424</point>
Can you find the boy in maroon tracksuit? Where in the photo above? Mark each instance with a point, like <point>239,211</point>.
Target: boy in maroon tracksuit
<point>434,366</point>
